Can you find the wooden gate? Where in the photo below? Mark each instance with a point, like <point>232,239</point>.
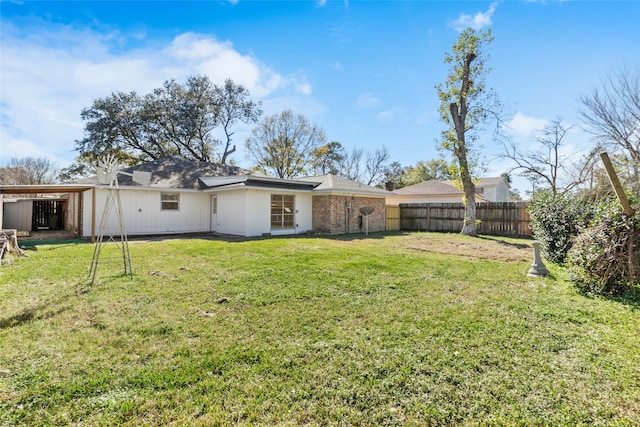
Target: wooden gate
<point>393,218</point>
<point>48,215</point>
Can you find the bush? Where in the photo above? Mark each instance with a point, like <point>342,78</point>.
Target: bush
<point>556,220</point>
<point>607,254</point>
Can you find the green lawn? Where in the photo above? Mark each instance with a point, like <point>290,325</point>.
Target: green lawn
<point>310,331</point>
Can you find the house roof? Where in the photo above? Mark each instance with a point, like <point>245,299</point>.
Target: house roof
<point>431,187</point>
<point>336,184</point>
<point>177,172</point>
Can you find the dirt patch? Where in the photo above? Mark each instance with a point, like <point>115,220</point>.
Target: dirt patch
<point>479,247</point>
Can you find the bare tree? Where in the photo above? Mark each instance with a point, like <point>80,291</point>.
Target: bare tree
<point>28,171</point>
<point>548,164</point>
<point>366,167</point>
<point>376,165</point>
<point>351,166</point>
<point>612,113</point>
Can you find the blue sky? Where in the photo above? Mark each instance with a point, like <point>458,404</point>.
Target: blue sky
<point>364,71</point>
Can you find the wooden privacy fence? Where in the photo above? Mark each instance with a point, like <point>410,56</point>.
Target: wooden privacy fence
<point>496,218</point>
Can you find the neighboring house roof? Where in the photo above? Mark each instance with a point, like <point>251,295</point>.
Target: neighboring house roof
<point>256,181</point>
<point>431,187</point>
<point>487,182</point>
<point>176,172</point>
<point>336,184</point>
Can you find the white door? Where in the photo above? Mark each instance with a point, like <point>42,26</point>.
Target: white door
<point>214,213</point>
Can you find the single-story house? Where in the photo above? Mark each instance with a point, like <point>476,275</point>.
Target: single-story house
<point>185,196</point>
<point>435,191</point>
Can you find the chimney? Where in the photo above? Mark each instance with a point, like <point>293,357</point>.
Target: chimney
<point>388,185</point>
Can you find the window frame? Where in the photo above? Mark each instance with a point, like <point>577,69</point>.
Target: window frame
<point>283,211</point>
<point>168,199</point>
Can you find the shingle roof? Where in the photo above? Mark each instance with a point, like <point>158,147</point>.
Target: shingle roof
<point>487,182</point>
<point>333,183</point>
<point>177,172</point>
<point>431,187</point>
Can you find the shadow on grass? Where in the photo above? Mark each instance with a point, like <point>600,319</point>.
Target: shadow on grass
<point>502,242</point>
<point>630,297</point>
<point>39,312</point>
<point>235,239</point>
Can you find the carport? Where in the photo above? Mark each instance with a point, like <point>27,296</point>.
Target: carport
<point>42,207</point>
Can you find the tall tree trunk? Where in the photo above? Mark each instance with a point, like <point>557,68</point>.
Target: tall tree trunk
<point>227,152</point>
<point>459,114</point>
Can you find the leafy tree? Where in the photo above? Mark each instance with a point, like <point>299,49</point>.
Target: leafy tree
<point>28,171</point>
<point>547,163</point>
<point>425,171</point>
<point>465,103</point>
<point>612,114</point>
<point>174,120</point>
<point>394,173</point>
<point>284,144</point>
<point>327,158</point>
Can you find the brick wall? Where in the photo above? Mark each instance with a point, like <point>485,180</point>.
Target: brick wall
<point>331,216</point>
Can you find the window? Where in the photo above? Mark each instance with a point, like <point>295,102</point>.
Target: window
<point>214,205</point>
<point>170,201</point>
<point>282,211</point>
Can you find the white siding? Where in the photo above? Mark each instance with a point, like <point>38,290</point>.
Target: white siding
<point>242,212</point>
<point>259,212</point>
<point>142,213</point>
<point>18,215</point>
<point>247,212</point>
<point>502,193</point>
<point>232,212</point>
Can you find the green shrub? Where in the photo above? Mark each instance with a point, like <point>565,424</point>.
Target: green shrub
<point>607,254</point>
<point>556,220</point>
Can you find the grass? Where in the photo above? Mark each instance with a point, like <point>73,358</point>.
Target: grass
<point>311,331</point>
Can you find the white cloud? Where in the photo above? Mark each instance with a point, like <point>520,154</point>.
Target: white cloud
<point>477,22</point>
<point>368,100</point>
<point>49,73</point>
<point>387,116</point>
<point>524,127</point>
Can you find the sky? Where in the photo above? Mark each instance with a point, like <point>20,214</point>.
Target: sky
<point>363,71</point>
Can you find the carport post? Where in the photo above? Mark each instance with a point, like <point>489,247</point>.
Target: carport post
<point>93,215</point>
